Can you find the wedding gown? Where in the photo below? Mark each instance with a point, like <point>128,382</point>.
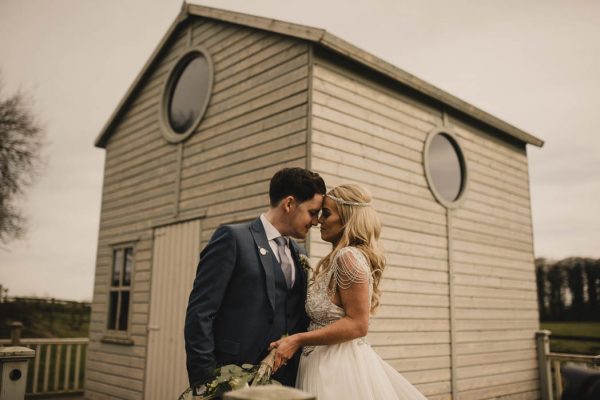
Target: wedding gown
<point>349,370</point>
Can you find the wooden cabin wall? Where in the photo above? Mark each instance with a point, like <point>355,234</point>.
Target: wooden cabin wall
<point>364,133</point>
<point>255,124</point>
<point>371,133</point>
<point>494,277</point>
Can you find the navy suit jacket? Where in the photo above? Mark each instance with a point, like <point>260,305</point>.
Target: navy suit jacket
<point>231,307</point>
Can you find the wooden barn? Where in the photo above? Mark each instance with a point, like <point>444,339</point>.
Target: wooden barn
<point>227,99</point>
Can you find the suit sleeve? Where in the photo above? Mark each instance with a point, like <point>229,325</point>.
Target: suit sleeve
<point>217,262</point>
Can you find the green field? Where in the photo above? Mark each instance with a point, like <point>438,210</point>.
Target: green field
<point>46,318</point>
<point>43,318</point>
<point>591,329</point>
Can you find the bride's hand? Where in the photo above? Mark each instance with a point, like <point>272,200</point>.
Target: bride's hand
<point>286,348</point>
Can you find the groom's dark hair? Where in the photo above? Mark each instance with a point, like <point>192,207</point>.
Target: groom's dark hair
<point>298,182</point>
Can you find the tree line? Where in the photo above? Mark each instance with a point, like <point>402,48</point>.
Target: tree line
<point>568,289</point>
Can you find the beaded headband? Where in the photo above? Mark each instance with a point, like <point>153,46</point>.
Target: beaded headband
<point>346,202</point>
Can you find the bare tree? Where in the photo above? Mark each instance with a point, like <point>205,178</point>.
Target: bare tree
<point>20,145</point>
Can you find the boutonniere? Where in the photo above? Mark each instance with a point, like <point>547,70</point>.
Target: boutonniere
<point>262,251</point>
<point>305,263</point>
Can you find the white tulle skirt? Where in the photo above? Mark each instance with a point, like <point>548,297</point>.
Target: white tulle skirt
<point>351,370</point>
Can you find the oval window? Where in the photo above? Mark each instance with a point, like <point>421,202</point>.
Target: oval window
<point>445,167</point>
<point>186,95</point>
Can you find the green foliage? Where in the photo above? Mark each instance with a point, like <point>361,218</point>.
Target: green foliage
<point>230,377</point>
<point>591,329</point>
<point>45,318</point>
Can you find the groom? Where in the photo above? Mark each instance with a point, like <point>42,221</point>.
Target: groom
<point>250,287</point>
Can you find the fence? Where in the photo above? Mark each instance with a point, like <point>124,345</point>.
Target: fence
<point>551,382</point>
<point>58,366</point>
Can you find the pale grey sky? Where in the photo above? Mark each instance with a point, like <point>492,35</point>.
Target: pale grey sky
<point>533,64</point>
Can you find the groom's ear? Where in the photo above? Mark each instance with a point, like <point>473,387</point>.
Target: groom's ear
<point>287,203</point>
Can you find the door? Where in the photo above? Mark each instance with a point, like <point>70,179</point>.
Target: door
<point>175,257</point>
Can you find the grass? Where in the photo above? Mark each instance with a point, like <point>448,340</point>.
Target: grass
<point>591,329</point>
<point>45,319</point>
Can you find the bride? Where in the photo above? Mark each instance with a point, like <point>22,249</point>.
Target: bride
<point>336,361</point>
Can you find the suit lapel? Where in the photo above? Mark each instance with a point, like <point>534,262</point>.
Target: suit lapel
<point>263,250</point>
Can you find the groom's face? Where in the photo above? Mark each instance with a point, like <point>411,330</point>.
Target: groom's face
<point>303,216</point>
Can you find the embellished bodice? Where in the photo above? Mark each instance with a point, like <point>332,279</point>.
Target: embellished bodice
<point>348,267</point>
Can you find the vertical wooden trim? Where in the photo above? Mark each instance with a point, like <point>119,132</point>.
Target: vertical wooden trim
<point>309,118</point>
<point>543,348</point>
<point>149,308</point>
<point>47,367</point>
<point>453,364</point>
<point>77,366</point>
<point>67,367</point>
<point>178,179</point>
<point>57,366</point>
<point>558,387</point>
<point>36,368</point>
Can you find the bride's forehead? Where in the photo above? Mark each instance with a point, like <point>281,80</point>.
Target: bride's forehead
<point>329,204</point>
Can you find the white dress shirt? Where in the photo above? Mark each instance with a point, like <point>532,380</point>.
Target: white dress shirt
<point>273,233</point>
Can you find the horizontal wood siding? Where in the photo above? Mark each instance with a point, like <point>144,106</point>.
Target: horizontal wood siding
<point>495,288</point>
<point>255,123</point>
<point>368,133</point>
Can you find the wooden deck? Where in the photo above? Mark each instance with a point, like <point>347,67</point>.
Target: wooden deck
<point>63,396</point>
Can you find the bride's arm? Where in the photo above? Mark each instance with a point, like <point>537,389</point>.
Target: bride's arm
<point>353,288</point>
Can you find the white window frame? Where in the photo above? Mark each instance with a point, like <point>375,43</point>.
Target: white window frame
<point>117,335</point>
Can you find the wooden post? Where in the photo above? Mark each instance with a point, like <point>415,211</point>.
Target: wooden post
<point>269,392</point>
<point>543,348</point>
<point>558,387</point>
<point>15,333</point>
<point>13,372</point>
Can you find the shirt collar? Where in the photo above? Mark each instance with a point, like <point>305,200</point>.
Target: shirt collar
<point>270,230</point>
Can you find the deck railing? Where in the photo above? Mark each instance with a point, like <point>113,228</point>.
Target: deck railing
<point>551,381</point>
<point>58,366</point>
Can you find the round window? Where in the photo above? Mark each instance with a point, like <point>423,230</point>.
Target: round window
<point>186,95</point>
<point>445,167</point>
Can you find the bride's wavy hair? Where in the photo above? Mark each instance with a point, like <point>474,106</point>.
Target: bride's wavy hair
<point>361,228</point>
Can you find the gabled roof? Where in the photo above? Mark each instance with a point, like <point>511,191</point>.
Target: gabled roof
<point>330,42</point>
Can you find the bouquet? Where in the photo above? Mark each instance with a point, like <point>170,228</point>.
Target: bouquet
<point>233,377</point>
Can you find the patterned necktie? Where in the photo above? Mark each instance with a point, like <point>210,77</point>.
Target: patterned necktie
<point>284,260</point>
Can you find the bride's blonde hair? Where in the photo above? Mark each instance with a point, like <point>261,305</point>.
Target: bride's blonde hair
<point>361,228</point>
